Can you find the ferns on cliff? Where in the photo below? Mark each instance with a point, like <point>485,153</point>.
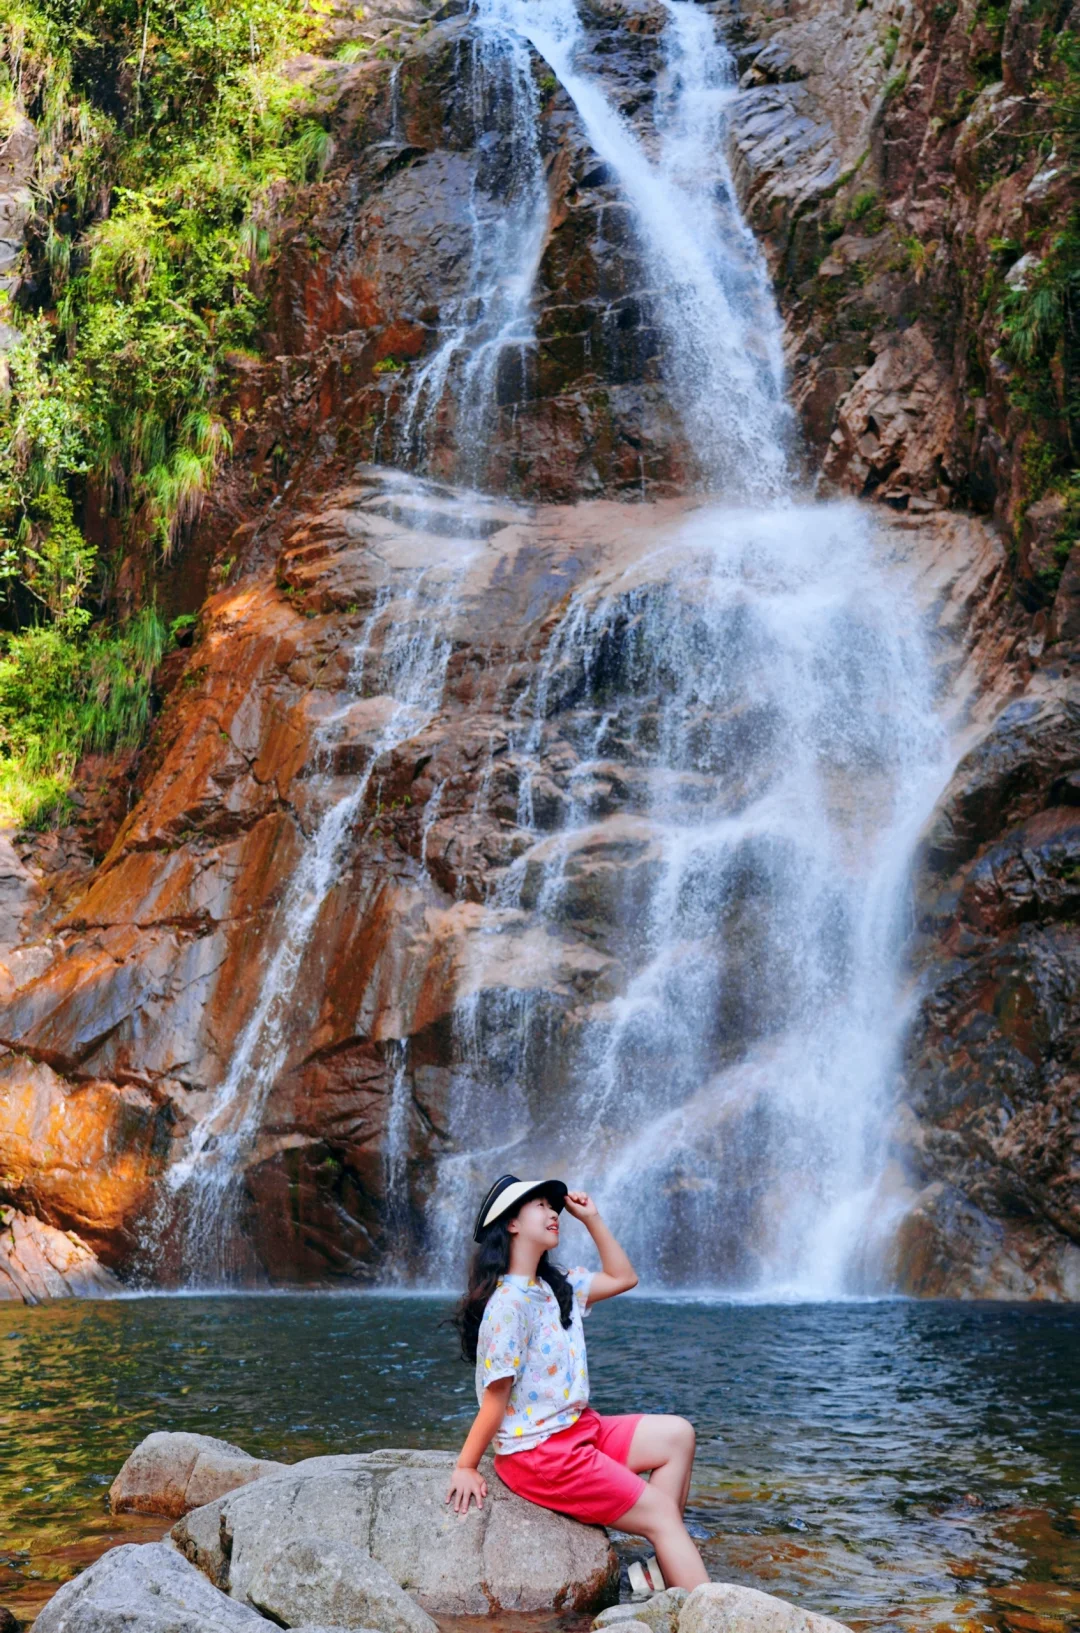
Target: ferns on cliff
<point>164,127</point>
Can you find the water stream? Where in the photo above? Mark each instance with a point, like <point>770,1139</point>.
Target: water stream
<point>400,658</point>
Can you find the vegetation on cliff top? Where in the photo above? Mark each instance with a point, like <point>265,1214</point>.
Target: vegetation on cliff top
<point>164,127</point>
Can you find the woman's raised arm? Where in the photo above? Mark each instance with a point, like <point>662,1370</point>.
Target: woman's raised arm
<point>617,1274</point>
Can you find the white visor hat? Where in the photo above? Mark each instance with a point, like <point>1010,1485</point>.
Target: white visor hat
<point>508,1191</point>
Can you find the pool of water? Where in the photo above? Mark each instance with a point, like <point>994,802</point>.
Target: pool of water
<point>899,1466</point>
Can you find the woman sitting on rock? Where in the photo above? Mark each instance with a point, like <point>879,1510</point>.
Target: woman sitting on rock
<point>520,1322</point>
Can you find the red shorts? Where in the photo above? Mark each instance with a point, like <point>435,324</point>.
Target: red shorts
<point>580,1471</point>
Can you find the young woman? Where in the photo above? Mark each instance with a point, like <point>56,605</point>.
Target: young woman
<point>520,1321</point>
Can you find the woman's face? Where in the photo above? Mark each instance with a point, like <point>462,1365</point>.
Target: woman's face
<point>537,1222</point>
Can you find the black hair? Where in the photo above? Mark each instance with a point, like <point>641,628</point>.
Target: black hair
<point>490,1260</point>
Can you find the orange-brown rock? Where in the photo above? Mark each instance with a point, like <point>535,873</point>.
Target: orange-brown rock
<point>78,1153</point>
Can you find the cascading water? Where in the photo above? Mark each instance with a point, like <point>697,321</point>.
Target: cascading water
<point>402,654</point>
<point>490,326</point>
<point>744,733</point>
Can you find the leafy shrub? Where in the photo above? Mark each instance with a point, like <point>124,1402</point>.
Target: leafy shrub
<point>164,128</point>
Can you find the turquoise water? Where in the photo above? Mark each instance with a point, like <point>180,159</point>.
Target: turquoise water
<point>897,1465</point>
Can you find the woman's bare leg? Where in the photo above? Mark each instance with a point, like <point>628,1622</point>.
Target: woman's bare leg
<point>656,1516</point>
<point>666,1446</point>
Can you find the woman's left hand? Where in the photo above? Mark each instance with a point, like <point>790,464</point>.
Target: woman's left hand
<point>580,1205</point>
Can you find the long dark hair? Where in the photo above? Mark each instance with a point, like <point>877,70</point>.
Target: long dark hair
<point>490,1260</point>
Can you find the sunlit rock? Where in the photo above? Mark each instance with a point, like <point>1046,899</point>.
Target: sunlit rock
<point>306,1577</point>
<point>151,1587</point>
<point>170,1473</point>
<point>722,1607</point>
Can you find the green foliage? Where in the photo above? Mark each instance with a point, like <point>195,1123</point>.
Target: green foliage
<point>63,695</point>
<point>895,85</point>
<point>1040,325</point>
<point>890,43</point>
<point>918,256</point>
<point>164,127</point>
<point>867,212</point>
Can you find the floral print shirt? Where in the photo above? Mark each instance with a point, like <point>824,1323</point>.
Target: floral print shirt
<point>522,1337</point>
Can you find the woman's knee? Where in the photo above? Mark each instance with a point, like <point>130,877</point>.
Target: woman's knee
<point>687,1438</point>
<point>654,1513</point>
<point>680,1436</point>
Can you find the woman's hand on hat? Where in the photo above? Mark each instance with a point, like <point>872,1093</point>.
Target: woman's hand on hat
<point>465,1484</point>
<point>580,1205</point>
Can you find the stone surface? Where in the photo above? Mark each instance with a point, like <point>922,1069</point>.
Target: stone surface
<point>660,1613</point>
<point>38,1263</point>
<point>169,1473</point>
<point>149,1588</point>
<point>989,1130</point>
<point>308,1577</point>
<point>721,1607</point>
<point>509,1556</point>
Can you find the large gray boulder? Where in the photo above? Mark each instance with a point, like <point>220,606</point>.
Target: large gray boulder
<point>721,1607</point>
<point>336,1582</point>
<point>508,1556</point>
<point>147,1588</point>
<point>172,1473</point>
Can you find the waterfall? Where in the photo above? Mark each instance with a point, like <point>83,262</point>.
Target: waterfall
<point>401,655</point>
<point>723,757</point>
<point>750,724</point>
<point>490,326</point>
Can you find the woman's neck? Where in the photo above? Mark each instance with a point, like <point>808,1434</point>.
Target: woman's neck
<point>524,1258</point>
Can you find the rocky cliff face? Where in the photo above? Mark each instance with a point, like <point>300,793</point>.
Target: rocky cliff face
<point>138,941</point>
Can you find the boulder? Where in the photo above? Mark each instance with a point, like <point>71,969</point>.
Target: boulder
<point>391,1505</point>
<point>171,1473</point>
<point>721,1607</point>
<point>309,1577</point>
<point>149,1588</point>
<point>39,1262</point>
<point>660,1614</point>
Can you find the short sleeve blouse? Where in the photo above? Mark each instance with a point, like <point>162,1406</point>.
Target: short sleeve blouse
<point>522,1337</point>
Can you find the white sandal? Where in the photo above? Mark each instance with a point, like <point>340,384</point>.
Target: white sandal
<point>645,1577</point>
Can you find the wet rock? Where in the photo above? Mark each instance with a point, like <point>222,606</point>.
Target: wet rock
<point>150,1587</point>
<point>947,1247</point>
<point>8,1624</point>
<point>311,1577</point>
<point>895,427</point>
<point>170,1473</point>
<point>660,1613</point>
<point>721,1607</point>
<point>38,1263</point>
<point>79,1155</point>
<point>392,1507</point>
